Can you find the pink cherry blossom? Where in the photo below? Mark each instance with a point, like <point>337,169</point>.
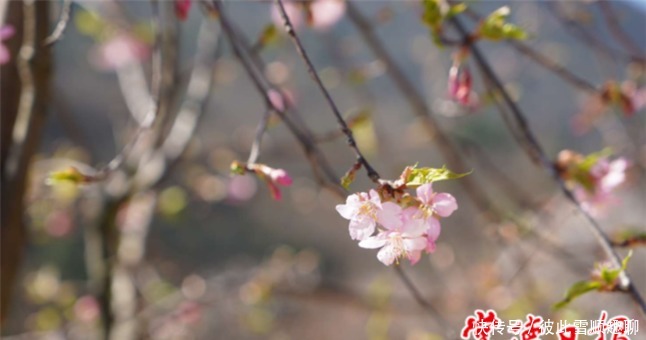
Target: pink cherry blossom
<point>441,204</point>
<point>6,32</point>
<point>406,241</point>
<point>281,177</point>
<point>119,51</point>
<point>609,175</point>
<point>326,13</point>
<point>362,210</point>
<point>322,14</point>
<point>182,7</point>
<point>606,176</point>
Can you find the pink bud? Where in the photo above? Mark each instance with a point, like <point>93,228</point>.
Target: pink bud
<point>182,7</point>
<point>281,177</point>
<point>460,85</point>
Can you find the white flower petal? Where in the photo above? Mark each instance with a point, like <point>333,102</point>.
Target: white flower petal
<point>387,255</point>
<point>373,242</point>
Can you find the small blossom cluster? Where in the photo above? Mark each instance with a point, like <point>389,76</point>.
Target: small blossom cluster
<point>272,177</point>
<point>405,226</point>
<point>593,178</point>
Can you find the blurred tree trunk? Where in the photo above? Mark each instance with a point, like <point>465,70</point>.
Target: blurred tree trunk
<point>25,94</point>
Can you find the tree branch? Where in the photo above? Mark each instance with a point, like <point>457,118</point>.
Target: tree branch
<point>536,153</point>
<point>374,176</point>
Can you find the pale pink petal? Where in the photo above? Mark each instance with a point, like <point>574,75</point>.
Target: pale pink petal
<point>414,228</point>
<point>410,213</point>
<point>294,13</point>
<point>615,176</point>
<point>374,198</point>
<point>430,246</point>
<point>346,211</point>
<point>444,204</point>
<point>387,255</point>
<point>425,193</point>
<point>373,242</point>
<point>325,13</point>
<point>434,228</point>
<point>413,244</point>
<point>390,215</point>
<point>361,229</point>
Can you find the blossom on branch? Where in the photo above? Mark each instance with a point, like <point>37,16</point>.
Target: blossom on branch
<point>406,226</point>
<point>274,178</point>
<point>592,178</point>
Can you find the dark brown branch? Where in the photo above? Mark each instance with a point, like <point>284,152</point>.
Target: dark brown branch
<point>34,65</point>
<point>317,161</point>
<point>446,147</point>
<point>536,152</point>
<point>372,173</point>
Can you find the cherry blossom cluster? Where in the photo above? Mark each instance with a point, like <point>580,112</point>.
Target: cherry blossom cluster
<point>402,225</point>
<point>593,178</point>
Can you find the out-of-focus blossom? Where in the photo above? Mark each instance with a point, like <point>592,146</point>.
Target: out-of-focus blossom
<point>272,177</point>
<point>86,309</point>
<point>625,96</point>
<point>281,101</point>
<point>6,32</point>
<point>58,223</point>
<point>593,178</point>
<point>241,188</point>
<point>182,7</point>
<point>319,14</point>
<point>460,86</point>
<point>361,209</point>
<point>119,51</point>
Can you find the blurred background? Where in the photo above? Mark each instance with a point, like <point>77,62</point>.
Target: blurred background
<point>190,251</point>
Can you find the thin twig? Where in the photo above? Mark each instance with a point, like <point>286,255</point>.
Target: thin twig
<point>544,61</point>
<point>577,30</point>
<point>428,307</point>
<point>317,161</point>
<point>441,140</point>
<point>61,25</point>
<point>537,153</point>
<point>372,173</point>
<point>260,132</point>
<point>615,28</point>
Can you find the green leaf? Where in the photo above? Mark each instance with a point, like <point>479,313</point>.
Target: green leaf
<point>624,262</point>
<point>577,290</point>
<point>435,13</point>
<point>70,175</point>
<point>349,176</point>
<point>495,27</point>
<point>455,10</point>
<point>432,13</point>
<point>268,36</point>
<point>421,176</point>
<point>591,159</point>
